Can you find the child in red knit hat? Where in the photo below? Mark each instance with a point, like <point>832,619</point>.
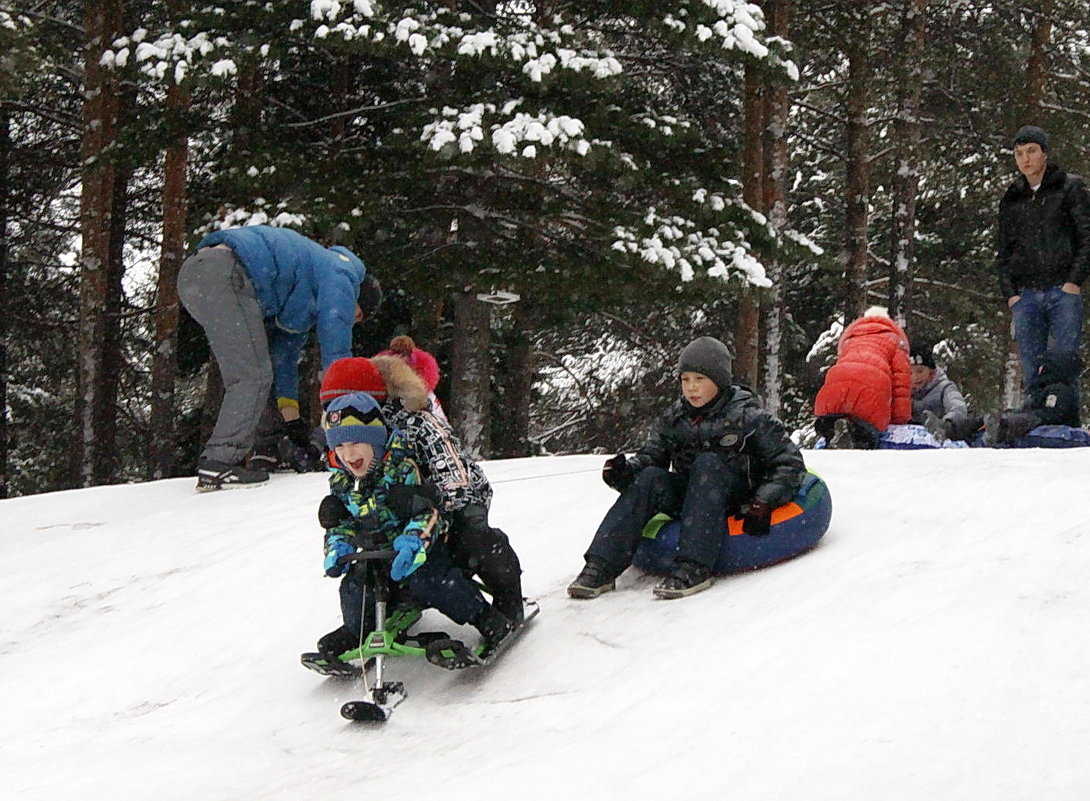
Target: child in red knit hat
<point>466,494</point>
<point>354,374</point>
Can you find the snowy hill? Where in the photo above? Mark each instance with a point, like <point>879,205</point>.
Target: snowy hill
<point>933,646</point>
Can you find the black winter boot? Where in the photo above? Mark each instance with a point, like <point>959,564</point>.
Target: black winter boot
<point>510,605</point>
<point>595,579</point>
<point>216,475</point>
<point>337,642</point>
<point>494,628</point>
<point>687,578</point>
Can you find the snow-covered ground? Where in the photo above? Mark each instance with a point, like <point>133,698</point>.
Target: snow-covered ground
<point>934,646</point>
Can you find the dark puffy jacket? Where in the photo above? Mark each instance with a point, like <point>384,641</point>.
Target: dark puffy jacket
<point>735,426</point>
<point>1053,398</point>
<point>1043,237</point>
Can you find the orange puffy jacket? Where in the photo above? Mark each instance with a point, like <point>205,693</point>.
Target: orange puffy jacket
<point>871,379</point>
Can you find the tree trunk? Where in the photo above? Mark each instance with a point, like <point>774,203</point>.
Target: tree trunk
<point>1012,371</point>
<point>5,312</point>
<point>512,408</point>
<point>747,326</point>
<point>858,175</point>
<point>1037,65</point>
<point>1036,83</point>
<point>906,178</point>
<point>470,363</point>
<point>165,357</point>
<point>775,205</point>
<point>99,301</point>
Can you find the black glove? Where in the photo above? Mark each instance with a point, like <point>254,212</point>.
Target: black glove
<point>332,513</point>
<point>370,297</point>
<point>618,473</point>
<point>298,432</point>
<point>758,519</point>
<point>297,448</point>
<point>410,500</point>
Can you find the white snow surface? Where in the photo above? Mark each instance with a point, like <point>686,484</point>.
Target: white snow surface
<point>934,645</point>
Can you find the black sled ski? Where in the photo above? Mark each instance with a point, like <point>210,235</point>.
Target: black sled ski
<point>335,668</point>
<point>454,654</point>
<point>378,709</point>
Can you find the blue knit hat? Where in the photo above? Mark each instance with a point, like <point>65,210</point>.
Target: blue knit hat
<point>355,418</point>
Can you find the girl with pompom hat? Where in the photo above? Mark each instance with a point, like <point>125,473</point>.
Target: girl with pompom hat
<point>422,363</point>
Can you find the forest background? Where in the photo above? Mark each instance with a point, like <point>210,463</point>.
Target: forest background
<point>636,174</point>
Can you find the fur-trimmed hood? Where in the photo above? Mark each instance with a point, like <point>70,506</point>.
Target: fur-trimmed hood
<point>402,382</point>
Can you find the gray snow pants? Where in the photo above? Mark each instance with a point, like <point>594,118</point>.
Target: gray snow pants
<point>214,287</point>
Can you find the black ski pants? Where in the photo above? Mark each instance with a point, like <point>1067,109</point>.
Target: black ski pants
<point>484,551</point>
<point>699,500</point>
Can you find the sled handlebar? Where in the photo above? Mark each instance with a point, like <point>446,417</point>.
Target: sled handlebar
<point>367,556</point>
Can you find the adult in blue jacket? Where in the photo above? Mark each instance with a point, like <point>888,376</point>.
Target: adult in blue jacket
<point>258,291</point>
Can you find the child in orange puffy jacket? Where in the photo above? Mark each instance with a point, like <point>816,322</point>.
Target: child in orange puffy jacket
<point>869,387</point>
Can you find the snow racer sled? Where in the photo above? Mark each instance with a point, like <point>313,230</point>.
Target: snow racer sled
<point>391,637</point>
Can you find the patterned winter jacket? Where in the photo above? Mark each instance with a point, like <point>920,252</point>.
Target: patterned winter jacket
<point>300,285</point>
<point>736,427</point>
<point>441,457</point>
<point>366,499</point>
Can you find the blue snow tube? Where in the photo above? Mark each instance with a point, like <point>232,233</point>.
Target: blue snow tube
<point>1051,436</point>
<point>796,528</point>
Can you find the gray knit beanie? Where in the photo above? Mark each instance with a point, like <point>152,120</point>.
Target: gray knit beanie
<point>1031,133</point>
<point>707,356</point>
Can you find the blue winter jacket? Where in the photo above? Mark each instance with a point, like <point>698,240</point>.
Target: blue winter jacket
<point>300,285</point>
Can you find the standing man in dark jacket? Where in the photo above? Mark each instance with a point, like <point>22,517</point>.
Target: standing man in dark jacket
<point>1043,244</point>
<point>727,455</point>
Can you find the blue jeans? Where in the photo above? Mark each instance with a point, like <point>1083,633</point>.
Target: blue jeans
<point>1042,315</point>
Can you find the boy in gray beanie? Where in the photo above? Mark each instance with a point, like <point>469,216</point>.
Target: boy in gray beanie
<point>714,452</point>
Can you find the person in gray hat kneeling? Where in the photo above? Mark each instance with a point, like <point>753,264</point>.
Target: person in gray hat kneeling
<point>714,452</point>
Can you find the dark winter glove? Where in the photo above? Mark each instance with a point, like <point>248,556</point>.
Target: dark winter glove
<point>370,297</point>
<point>297,448</point>
<point>335,549</point>
<point>332,513</point>
<point>618,473</point>
<point>410,556</point>
<point>410,500</point>
<point>758,519</point>
<point>298,432</point>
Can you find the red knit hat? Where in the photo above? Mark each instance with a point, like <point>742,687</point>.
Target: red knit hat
<point>421,361</point>
<point>352,374</point>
